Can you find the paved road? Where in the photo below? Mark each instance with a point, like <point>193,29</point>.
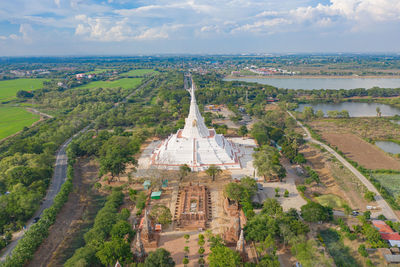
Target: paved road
<point>385,208</point>
<point>59,177</point>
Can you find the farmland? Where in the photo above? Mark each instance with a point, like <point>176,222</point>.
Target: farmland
<point>138,72</point>
<point>361,151</point>
<point>14,119</point>
<point>9,88</point>
<point>125,83</point>
<point>390,182</point>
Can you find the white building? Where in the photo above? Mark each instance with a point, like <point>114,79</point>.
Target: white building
<point>196,145</point>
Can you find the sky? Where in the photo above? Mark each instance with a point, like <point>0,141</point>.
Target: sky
<point>126,27</point>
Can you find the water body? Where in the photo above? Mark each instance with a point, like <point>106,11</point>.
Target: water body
<point>389,147</point>
<point>355,109</point>
<point>324,83</point>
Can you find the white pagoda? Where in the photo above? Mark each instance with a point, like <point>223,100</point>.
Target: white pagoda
<point>196,145</point>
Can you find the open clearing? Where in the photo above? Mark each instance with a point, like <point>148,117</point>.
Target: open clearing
<point>372,128</point>
<point>138,72</point>
<point>390,182</point>
<point>331,200</point>
<point>74,219</point>
<point>126,83</point>
<point>14,119</point>
<point>358,150</point>
<point>9,88</point>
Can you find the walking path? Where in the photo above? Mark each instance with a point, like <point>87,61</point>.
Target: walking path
<point>385,208</point>
<point>59,177</point>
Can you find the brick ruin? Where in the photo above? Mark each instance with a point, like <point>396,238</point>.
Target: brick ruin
<point>193,207</point>
<point>237,220</point>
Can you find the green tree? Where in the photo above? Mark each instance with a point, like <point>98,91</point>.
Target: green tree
<point>243,131</point>
<point>233,191</point>
<point>266,160</point>
<point>314,212</point>
<point>308,113</point>
<point>369,195</point>
<point>378,111</point>
<point>222,256</point>
<point>213,171</point>
<point>319,114</point>
<point>115,154</point>
<point>159,257</point>
<point>183,171</point>
<point>116,249</point>
<point>272,208</point>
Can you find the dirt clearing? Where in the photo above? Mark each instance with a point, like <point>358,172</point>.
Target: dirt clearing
<point>361,152</point>
<point>66,233</point>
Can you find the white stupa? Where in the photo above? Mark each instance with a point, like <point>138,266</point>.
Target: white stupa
<point>196,145</point>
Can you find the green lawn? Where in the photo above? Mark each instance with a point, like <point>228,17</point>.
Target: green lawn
<point>390,182</point>
<point>331,200</point>
<point>138,72</point>
<point>9,88</point>
<point>14,119</point>
<point>125,83</point>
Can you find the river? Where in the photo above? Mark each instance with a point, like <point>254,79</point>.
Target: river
<point>323,83</point>
<point>355,109</point>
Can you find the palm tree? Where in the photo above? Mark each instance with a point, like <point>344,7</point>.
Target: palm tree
<point>213,171</point>
<point>378,111</point>
<point>183,171</point>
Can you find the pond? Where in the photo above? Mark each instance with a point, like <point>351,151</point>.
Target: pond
<point>323,83</point>
<point>388,146</point>
<point>355,109</point>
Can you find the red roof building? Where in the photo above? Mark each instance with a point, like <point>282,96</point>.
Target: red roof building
<point>382,227</point>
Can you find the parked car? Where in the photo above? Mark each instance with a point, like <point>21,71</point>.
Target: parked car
<point>36,219</point>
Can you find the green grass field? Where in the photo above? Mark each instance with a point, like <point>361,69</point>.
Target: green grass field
<point>390,182</point>
<point>125,83</point>
<point>9,88</point>
<point>14,119</point>
<point>138,72</point>
<point>331,200</point>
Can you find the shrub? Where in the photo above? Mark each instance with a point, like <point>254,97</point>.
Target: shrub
<point>286,194</point>
<point>370,196</point>
<point>363,251</point>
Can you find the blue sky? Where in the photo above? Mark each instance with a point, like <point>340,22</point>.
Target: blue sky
<point>124,27</point>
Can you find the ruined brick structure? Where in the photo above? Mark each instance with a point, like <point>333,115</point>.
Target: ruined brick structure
<point>193,207</point>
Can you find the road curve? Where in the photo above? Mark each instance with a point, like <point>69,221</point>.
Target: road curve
<point>59,177</point>
<point>387,211</point>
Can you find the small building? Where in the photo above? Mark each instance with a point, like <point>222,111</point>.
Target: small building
<point>392,258</point>
<point>156,195</point>
<point>382,227</point>
<point>146,184</point>
<point>158,227</point>
<point>164,183</point>
<point>392,238</point>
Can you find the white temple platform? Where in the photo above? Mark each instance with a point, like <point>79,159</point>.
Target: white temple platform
<point>196,145</point>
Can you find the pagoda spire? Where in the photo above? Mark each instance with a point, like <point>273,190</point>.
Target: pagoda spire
<point>194,123</point>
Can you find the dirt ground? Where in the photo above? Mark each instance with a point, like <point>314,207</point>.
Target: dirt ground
<point>364,153</point>
<point>372,127</point>
<point>81,205</point>
<point>334,179</point>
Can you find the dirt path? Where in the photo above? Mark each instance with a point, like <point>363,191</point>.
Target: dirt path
<point>386,210</point>
<point>70,218</point>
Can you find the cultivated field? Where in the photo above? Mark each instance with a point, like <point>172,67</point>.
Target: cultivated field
<point>360,151</point>
<point>138,72</point>
<point>9,88</point>
<point>372,128</point>
<point>125,83</point>
<point>14,119</point>
<point>390,182</point>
